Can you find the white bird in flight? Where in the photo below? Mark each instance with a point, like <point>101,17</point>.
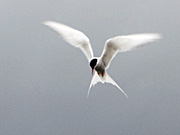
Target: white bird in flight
<point>112,47</point>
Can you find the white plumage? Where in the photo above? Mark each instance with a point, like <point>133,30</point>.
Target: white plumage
<point>112,47</point>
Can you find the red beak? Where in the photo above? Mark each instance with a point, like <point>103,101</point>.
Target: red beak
<point>92,71</point>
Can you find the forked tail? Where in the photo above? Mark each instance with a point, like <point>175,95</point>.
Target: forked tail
<point>106,78</point>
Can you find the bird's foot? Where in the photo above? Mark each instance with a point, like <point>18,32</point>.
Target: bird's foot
<point>102,74</point>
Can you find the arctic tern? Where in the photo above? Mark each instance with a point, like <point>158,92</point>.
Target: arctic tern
<point>112,47</point>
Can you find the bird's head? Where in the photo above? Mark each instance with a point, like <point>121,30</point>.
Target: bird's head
<point>93,63</point>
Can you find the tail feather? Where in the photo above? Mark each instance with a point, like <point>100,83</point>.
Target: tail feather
<point>106,78</point>
<point>110,80</point>
<point>94,81</point>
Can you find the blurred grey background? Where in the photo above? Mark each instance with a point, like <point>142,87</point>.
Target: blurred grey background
<point>44,81</point>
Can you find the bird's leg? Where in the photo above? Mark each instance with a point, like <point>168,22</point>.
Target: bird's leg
<point>102,74</point>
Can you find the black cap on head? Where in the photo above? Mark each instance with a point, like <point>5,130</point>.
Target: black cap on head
<point>93,63</point>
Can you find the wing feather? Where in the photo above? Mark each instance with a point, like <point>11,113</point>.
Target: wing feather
<point>125,43</point>
<point>72,36</point>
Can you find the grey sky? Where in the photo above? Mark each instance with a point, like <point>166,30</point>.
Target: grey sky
<point>44,81</point>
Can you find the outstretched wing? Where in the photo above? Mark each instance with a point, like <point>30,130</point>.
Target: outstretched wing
<point>72,36</point>
<point>125,43</point>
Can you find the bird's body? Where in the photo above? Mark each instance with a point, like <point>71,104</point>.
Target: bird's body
<point>100,69</point>
<point>112,47</point>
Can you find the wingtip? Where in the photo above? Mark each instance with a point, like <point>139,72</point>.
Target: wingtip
<point>154,36</point>
<point>46,22</point>
<point>49,23</point>
<point>158,36</point>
